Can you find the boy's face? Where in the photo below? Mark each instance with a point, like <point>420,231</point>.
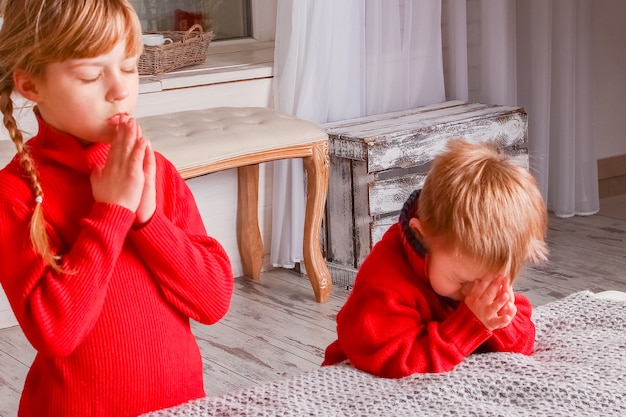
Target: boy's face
<point>451,275</point>
<point>79,96</point>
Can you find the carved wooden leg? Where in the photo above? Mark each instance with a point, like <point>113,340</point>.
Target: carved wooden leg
<point>317,167</point>
<point>248,233</point>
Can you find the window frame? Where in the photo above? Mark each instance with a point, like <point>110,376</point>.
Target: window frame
<point>263,16</point>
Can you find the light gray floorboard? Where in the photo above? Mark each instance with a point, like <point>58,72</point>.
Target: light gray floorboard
<point>274,328</point>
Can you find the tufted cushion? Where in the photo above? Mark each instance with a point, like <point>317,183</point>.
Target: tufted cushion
<point>202,137</point>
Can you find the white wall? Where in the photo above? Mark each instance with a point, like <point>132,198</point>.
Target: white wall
<point>609,57</point>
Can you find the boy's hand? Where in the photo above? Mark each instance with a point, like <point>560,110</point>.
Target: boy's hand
<point>492,301</point>
<point>121,180</point>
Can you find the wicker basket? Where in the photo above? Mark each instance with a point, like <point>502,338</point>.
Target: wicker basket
<point>187,48</point>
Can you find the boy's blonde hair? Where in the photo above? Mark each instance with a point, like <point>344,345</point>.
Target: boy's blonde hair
<point>478,203</point>
<point>36,33</point>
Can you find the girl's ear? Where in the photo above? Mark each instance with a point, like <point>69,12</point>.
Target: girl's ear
<point>26,85</point>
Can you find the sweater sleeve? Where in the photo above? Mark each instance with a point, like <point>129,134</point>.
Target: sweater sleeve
<point>384,333</point>
<point>192,269</point>
<point>517,337</point>
<point>58,310</point>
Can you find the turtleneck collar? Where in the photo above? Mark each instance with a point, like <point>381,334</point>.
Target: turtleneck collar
<point>415,250</point>
<point>408,210</point>
<point>52,145</point>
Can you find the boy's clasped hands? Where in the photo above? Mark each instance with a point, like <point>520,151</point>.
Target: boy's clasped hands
<point>128,177</point>
<point>492,301</point>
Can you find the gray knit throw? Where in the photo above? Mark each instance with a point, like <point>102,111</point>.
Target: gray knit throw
<point>578,369</point>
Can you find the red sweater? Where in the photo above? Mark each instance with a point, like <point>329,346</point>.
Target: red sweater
<point>112,335</point>
<point>393,323</point>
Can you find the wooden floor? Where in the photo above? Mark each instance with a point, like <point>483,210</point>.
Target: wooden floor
<point>274,329</point>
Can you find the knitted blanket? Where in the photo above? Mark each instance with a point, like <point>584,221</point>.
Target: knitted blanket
<point>578,369</point>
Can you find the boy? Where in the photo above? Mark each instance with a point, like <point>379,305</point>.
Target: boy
<point>437,287</point>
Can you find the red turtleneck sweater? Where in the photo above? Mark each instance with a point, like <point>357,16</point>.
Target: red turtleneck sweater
<point>394,324</point>
<point>112,334</point>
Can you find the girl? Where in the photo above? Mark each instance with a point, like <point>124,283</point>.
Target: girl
<point>105,256</point>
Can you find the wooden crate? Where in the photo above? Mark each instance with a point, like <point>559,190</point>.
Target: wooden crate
<point>377,161</point>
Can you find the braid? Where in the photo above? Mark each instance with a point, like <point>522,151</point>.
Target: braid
<point>38,234</point>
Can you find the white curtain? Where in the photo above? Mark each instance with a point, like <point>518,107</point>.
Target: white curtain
<point>555,84</point>
<point>336,60</point>
<point>341,59</point>
<point>535,54</point>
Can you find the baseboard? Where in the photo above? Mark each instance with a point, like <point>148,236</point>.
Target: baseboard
<point>612,176</point>
<point>341,275</point>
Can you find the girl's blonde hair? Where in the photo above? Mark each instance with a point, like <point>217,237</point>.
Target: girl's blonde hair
<point>36,33</point>
<point>478,203</point>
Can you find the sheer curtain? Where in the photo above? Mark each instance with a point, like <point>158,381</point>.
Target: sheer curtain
<point>336,60</point>
<point>341,59</point>
<point>536,54</point>
<point>555,84</point>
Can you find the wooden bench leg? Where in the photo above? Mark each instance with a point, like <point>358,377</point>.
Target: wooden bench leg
<point>317,168</point>
<point>248,233</point>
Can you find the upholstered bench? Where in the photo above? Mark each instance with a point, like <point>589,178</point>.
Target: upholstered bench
<point>199,142</point>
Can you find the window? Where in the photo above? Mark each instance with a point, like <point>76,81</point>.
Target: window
<point>228,19</point>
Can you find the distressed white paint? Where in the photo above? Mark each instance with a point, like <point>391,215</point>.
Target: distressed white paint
<point>388,196</point>
<point>384,157</point>
<point>379,227</point>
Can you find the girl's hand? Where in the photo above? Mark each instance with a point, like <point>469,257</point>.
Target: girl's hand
<point>492,301</point>
<point>121,180</point>
<point>147,205</point>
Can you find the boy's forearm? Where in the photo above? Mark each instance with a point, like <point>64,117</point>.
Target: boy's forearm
<point>409,346</point>
<point>517,337</point>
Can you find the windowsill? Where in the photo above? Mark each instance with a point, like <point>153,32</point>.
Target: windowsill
<point>227,61</point>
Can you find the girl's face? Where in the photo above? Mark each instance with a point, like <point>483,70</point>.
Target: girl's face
<point>80,96</point>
